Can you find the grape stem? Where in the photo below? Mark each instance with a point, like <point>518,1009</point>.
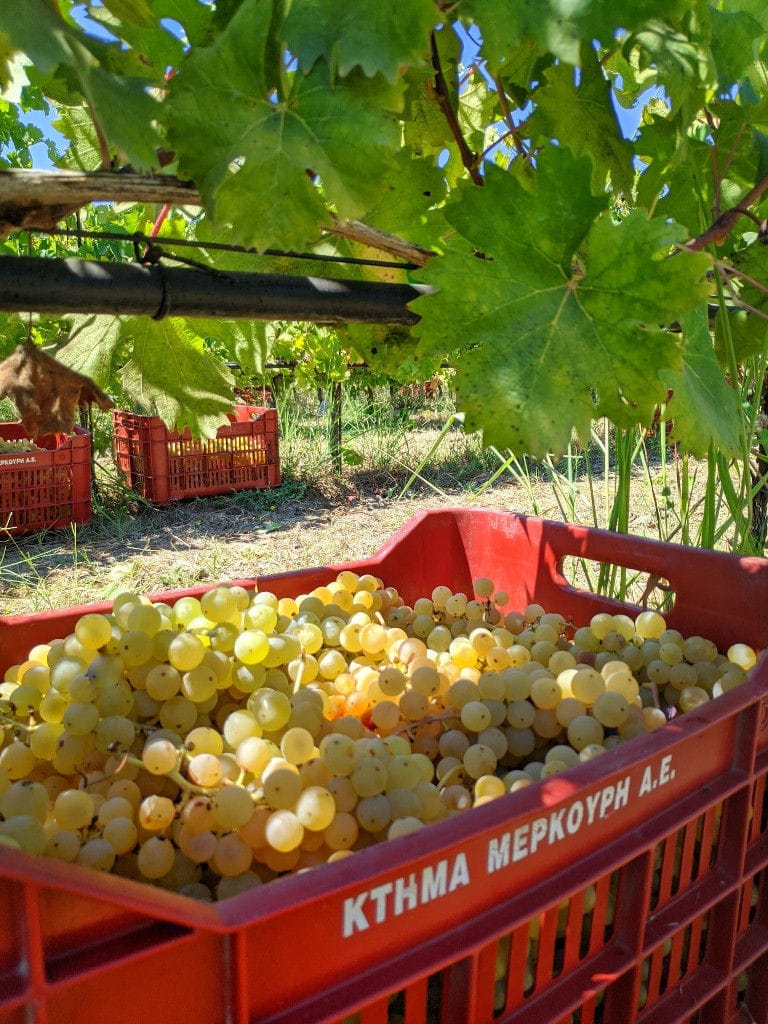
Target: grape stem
<point>175,776</point>
<point>408,730</point>
<point>654,693</point>
<point>300,671</point>
<point>18,727</point>
<point>451,776</point>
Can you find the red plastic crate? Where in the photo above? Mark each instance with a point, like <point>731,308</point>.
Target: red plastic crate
<point>41,490</point>
<point>165,465</point>
<point>632,889</point>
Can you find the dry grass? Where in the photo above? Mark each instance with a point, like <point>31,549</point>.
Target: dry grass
<point>313,519</point>
<point>210,540</point>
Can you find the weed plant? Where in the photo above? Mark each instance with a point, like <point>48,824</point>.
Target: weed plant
<point>391,442</point>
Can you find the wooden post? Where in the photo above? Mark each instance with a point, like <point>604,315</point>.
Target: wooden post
<point>334,426</point>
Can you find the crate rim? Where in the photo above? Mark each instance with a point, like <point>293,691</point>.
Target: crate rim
<point>625,544</point>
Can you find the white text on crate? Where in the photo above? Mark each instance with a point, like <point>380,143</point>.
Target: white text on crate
<point>561,822</point>
<point>652,780</point>
<point>391,899</point>
<point>551,828</point>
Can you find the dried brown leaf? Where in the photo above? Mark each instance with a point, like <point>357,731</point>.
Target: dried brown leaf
<point>46,393</point>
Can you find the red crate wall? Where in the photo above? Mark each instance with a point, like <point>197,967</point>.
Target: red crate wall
<point>165,465</point>
<point>655,912</point>
<point>46,489</point>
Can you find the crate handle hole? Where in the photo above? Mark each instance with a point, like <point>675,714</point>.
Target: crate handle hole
<point>638,587</point>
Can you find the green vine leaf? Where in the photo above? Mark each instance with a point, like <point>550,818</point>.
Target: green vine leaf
<point>560,28</point>
<point>37,29</point>
<point>583,119</point>
<point>138,12</point>
<point>107,77</point>
<point>416,186</point>
<point>738,38</point>
<point>559,318</point>
<point>681,62</point>
<point>677,176</point>
<point>423,121</point>
<point>132,134</point>
<point>83,150</point>
<point>285,159</point>
<point>142,33</point>
<point>476,107</point>
<point>704,408</point>
<point>377,36</point>
<point>240,341</point>
<point>628,80</point>
<point>196,18</point>
<point>391,350</point>
<point>92,347</point>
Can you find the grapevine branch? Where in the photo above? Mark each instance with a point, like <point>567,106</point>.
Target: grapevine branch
<point>364,234</point>
<point>39,200</point>
<point>443,97</point>
<point>717,232</point>
<point>507,113</point>
<point>727,274</point>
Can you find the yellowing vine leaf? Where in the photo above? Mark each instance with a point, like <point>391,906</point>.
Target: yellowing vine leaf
<point>46,393</point>
<point>166,367</point>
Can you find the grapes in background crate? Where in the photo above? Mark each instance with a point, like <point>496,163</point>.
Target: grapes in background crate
<point>164,465</point>
<point>44,484</point>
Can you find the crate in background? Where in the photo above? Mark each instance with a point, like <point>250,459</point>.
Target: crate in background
<point>47,488</point>
<point>164,465</point>
<point>631,889</point>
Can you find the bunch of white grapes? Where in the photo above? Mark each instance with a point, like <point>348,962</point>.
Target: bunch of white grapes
<point>215,744</point>
<point>21,445</point>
